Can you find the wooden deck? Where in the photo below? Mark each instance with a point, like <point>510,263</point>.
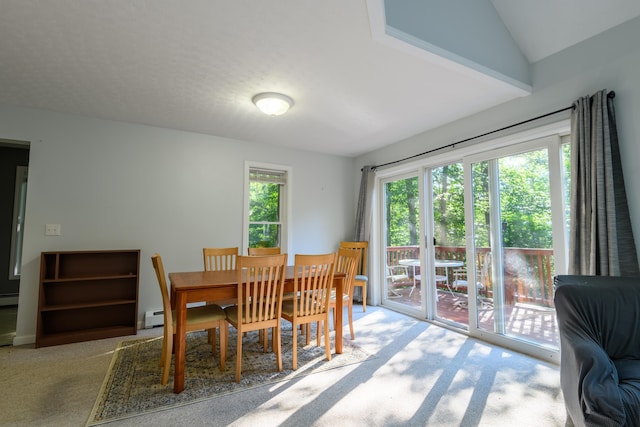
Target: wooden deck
<point>522,320</point>
<point>528,272</point>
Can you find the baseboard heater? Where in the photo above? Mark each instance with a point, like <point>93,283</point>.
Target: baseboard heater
<point>153,319</point>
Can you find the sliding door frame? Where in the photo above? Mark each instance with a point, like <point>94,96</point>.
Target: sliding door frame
<point>553,145</point>
<point>383,179</point>
<point>466,153</point>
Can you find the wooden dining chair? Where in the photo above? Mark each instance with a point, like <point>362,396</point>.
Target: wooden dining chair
<point>206,317</point>
<point>361,279</point>
<point>263,251</point>
<point>260,287</point>
<point>216,259</point>
<point>346,262</point>
<point>313,279</point>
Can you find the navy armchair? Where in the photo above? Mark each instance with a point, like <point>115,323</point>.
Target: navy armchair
<point>599,322</point>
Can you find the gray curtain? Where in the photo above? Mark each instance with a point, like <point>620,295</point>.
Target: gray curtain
<point>601,239</point>
<point>363,218</point>
<point>363,210</point>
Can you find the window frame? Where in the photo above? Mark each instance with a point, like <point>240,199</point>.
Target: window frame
<point>17,231</point>
<point>285,203</point>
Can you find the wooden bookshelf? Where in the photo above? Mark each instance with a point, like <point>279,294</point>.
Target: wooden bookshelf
<point>87,295</point>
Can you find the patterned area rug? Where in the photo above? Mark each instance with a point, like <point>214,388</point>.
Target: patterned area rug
<point>132,384</point>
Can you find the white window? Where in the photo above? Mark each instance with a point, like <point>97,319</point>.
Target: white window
<point>267,192</point>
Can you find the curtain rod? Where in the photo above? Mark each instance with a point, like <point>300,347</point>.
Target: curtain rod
<point>610,95</point>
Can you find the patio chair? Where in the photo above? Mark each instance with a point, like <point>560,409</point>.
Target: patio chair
<point>460,280</point>
<point>397,275</point>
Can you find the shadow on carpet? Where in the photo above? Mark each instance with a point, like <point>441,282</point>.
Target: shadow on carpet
<point>132,384</point>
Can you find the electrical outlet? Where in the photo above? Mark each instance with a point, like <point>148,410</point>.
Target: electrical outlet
<point>52,230</point>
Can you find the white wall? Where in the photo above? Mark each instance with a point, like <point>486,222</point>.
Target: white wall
<point>114,185</point>
<point>610,61</point>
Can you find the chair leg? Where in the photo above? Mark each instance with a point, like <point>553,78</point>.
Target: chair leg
<point>364,297</point>
<point>335,316</point>
<point>295,347</point>
<point>167,359</point>
<point>163,355</point>
<point>238,357</point>
<point>224,338</point>
<point>277,346</point>
<point>350,310</point>
<point>319,331</point>
<point>327,342</point>
<point>212,339</point>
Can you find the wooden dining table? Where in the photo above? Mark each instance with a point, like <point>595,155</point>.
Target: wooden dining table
<point>211,286</point>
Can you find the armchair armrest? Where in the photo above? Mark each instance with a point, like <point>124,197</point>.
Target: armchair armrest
<point>590,385</point>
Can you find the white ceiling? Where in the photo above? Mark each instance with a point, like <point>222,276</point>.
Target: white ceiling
<point>544,27</point>
<point>194,65</point>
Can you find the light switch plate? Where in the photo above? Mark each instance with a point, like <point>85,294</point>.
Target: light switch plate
<point>52,230</point>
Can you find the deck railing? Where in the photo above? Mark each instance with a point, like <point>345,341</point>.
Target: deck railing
<point>528,273</point>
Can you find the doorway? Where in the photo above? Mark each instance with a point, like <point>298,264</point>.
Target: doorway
<point>14,160</point>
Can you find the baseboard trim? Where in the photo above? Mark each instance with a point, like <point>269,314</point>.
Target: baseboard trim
<point>8,301</point>
<point>24,340</point>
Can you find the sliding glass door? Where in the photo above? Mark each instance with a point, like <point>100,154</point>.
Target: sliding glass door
<point>475,243</point>
<point>402,242</point>
<point>424,270</point>
<point>448,236</point>
<point>518,230</point>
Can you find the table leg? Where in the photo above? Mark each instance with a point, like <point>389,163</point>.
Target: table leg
<point>446,282</point>
<point>180,341</point>
<point>414,280</point>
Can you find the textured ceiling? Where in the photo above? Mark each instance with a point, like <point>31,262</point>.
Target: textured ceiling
<point>195,65</point>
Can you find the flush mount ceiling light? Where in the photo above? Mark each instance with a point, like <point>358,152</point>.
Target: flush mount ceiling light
<point>272,103</point>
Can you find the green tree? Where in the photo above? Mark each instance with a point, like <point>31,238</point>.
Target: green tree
<point>402,212</point>
<point>264,207</point>
<point>448,205</point>
<point>525,200</point>
<point>524,204</point>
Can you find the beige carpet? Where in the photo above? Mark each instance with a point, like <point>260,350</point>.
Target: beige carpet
<point>422,375</point>
<point>132,384</point>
